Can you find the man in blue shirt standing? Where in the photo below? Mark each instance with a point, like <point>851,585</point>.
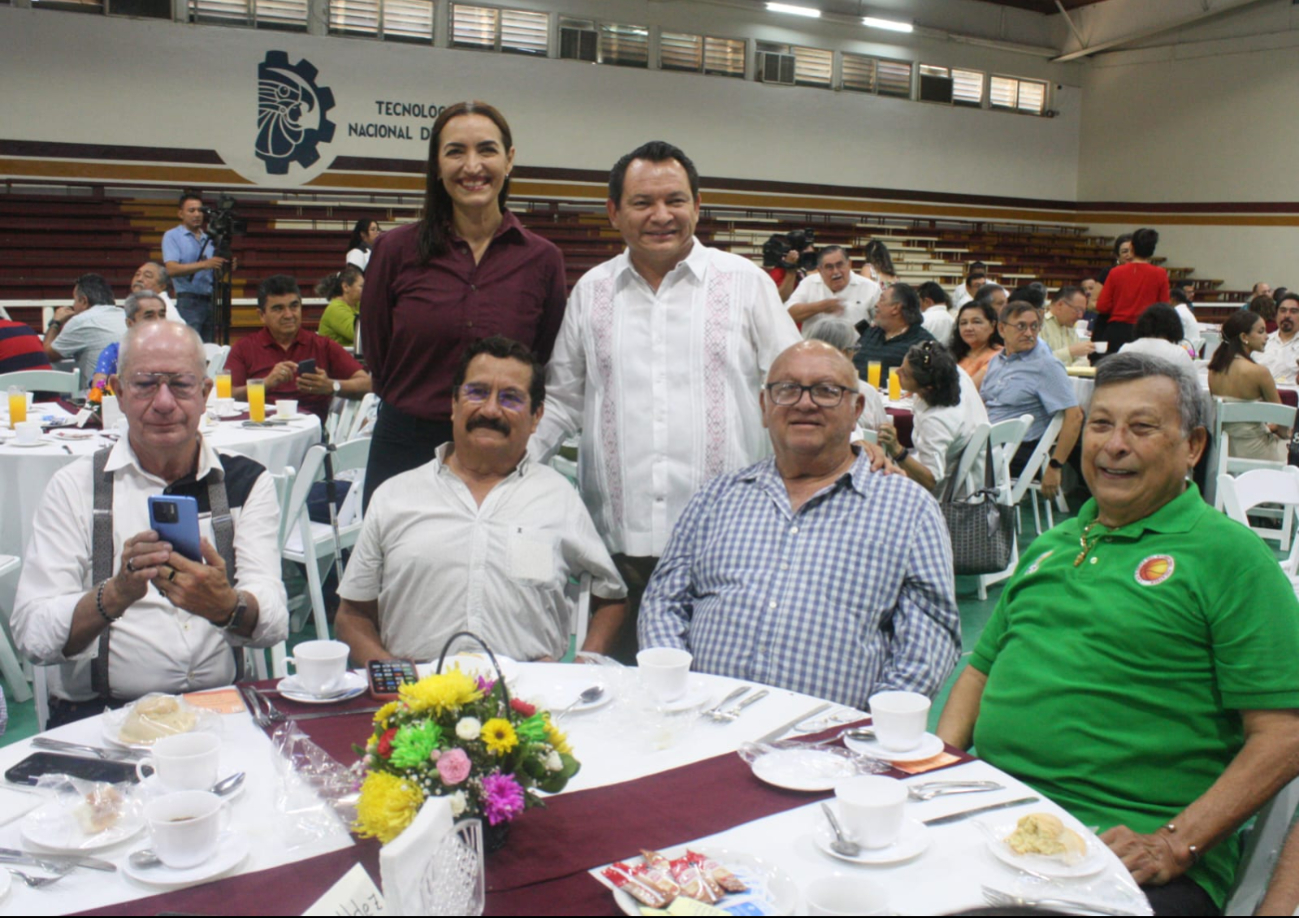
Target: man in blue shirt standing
<point>187,252</point>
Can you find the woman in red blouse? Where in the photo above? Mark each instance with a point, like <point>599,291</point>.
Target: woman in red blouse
<point>466,270</point>
<point>1130,288</point>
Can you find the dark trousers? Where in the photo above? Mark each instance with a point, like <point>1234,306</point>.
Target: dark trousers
<point>1182,896</point>
<point>68,712</point>
<point>401,442</point>
<point>196,310</point>
<point>636,574</point>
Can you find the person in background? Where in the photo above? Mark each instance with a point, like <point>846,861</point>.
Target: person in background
<point>1159,334</point>
<point>1129,290</point>
<point>898,325</point>
<point>934,311</point>
<point>975,340</point>
<point>151,277</point>
<point>1092,287</point>
<point>1281,353</point>
<point>1235,377</point>
<point>1180,300</point>
<point>466,270</point>
<point>834,290</point>
<point>1122,256</point>
<point>338,321</point>
<point>1059,328</point>
<point>21,348</point>
<point>1265,306</point>
<point>879,264</point>
<point>139,307</point>
<point>1034,294</point>
<point>82,331</point>
<point>948,412</point>
<point>844,338</point>
<point>187,256</point>
<point>966,291</point>
<point>358,247</point>
<point>1261,288</point>
<point>993,295</point>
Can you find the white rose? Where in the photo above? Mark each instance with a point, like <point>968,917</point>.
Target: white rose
<point>554,762</point>
<point>458,802</point>
<point>468,728</point>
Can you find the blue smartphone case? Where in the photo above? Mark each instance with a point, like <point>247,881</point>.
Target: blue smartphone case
<point>183,533</point>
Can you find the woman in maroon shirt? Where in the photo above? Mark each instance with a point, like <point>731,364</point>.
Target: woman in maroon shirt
<point>1129,289</point>
<point>466,270</point>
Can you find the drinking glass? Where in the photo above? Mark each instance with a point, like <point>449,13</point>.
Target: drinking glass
<point>223,385</point>
<point>257,400</point>
<point>895,385</point>
<point>873,374</point>
<point>17,406</point>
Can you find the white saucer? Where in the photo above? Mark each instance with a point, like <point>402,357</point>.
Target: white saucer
<point>353,684</point>
<point>697,695</point>
<point>803,769</point>
<point>929,747</point>
<point>53,827</point>
<point>1090,863</point>
<point>74,433</point>
<point>231,849</point>
<point>913,840</point>
<point>152,786</point>
<point>41,442</point>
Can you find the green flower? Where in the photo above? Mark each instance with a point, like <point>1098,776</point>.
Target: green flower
<point>413,744</point>
<point>533,729</point>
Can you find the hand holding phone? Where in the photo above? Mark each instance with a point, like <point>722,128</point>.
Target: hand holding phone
<point>175,519</point>
<point>307,366</point>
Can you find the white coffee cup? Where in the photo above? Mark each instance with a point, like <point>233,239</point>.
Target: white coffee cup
<point>1101,346</point>
<point>27,432</point>
<point>870,808</point>
<point>111,412</point>
<point>665,671</point>
<point>844,895</point>
<point>320,665</point>
<point>899,719</point>
<point>186,827</point>
<point>186,761</point>
<point>286,408</point>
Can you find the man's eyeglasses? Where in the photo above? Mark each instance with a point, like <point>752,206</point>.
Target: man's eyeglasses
<point>509,399</point>
<point>1023,327</point>
<point>145,385</point>
<point>824,395</point>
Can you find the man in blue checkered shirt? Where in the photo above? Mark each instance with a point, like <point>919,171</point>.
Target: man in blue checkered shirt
<point>807,571</point>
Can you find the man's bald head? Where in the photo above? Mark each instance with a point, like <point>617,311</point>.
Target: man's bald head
<point>798,355</point>
<point>149,337</point>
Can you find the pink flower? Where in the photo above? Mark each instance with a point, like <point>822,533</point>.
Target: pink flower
<point>453,766</point>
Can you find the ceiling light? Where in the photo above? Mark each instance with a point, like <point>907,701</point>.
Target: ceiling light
<point>796,10</point>
<point>891,24</point>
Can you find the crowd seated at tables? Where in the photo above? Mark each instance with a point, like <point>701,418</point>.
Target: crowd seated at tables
<point>731,499</point>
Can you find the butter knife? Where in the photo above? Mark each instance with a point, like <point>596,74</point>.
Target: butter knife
<point>785,728</point>
<point>54,861</point>
<point>112,755</point>
<point>315,714</point>
<point>966,814</point>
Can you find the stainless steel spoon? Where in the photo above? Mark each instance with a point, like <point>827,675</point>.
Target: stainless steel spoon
<point>228,785</point>
<point>588,696</point>
<point>841,844</point>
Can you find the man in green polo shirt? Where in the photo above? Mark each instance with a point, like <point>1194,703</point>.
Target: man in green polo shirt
<point>1139,669</point>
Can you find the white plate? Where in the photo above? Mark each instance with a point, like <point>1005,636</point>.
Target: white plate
<point>1092,861</point>
<point>697,695</point>
<point>772,891</point>
<point>74,433</point>
<point>231,849</point>
<point>929,747</point>
<point>353,684</point>
<point>111,724</point>
<point>912,841</point>
<point>569,694</point>
<point>53,827</point>
<point>803,769</point>
<point>41,442</point>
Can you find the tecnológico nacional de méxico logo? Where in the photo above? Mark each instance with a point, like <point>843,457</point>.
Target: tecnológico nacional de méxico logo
<point>291,113</point>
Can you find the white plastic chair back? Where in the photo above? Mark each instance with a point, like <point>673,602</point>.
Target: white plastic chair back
<point>1005,438</point>
<point>10,665</point>
<point>1244,412</point>
<point>1240,495</point>
<point>216,358</point>
<point>1262,848</point>
<point>367,412</point>
<point>580,595</point>
<point>1211,341</point>
<point>970,455</point>
<point>66,383</point>
<point>1028,482</point>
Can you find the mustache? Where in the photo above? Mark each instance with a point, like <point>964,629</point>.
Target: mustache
<point>496,424</point>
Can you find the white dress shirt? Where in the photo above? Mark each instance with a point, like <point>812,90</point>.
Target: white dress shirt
<point>1280,357</point>
<point>940,434</point>
<point>1190,327</point>
<point>663,385</point>
<point>87,333</point>
<point>859,298</point>
<point>939,323</point>
<point>155,646</point>
<point>1164,350</point>
<point>439,563</point>
<point>960,296</point>
<point>172,312</point>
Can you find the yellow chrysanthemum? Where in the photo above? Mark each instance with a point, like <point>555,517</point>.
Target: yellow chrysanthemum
<point>381,716</point>
<point>499,735</point>
<point>387,806</point>
<point>557,738</point>
<point>452,689</point>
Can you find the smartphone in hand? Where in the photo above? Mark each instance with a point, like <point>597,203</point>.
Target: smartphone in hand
<point>307,366</point>
<point>175,519</point>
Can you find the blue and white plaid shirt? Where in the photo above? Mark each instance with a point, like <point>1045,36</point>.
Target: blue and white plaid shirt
<point>851,595</point>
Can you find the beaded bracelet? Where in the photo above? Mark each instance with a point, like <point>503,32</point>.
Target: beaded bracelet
<point>99,603</point>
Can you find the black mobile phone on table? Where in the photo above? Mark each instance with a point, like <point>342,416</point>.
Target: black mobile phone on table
<point>387,676</point>
<point>307,366</point>
<point>175,519</point>
<point>31,769</point>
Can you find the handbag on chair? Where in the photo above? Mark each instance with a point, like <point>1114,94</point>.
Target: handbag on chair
<point>982,528</point>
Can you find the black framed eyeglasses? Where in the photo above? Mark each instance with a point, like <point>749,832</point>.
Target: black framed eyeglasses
<point>824,395</point>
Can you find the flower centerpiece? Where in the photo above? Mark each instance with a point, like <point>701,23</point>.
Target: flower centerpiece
<point>461,737</point>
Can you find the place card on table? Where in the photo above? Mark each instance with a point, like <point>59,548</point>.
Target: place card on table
<point>942,760</point>
<point>218,701</point>
<point>354,894</point>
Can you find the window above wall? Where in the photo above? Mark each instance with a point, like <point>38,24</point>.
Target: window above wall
<point>1017,94</point>
<point>492,29</point>
<point>702,53</point>
<point>287,15</point>
<point>391,20</point>
<point>879,75</point>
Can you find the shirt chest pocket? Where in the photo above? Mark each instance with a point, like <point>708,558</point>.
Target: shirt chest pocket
<point>532,555</point>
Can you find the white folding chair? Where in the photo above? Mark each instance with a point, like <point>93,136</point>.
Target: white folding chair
<point>68,383</point>
<point>255,657</point>
<point>216,358</point>
<point>367,412</point>
<point>1004,437</point>
<point>10,665</point>
<point>1028,482</point>
<point>580,594</point>
<point>312,544</point>
<point>974,450</point>
<point>1251,412</point>
<point>1240,495</point>
<point>1263,844</point>
<point>341,418</point>
<point>1211,341</point>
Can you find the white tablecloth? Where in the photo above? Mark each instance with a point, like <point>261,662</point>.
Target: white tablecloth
<point>24,472</point>
<point>613,747</point>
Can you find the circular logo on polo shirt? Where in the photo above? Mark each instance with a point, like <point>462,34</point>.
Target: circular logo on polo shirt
<point>1155,569</point>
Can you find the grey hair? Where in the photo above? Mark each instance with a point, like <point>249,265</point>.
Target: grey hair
<point>830,250</point>
<point>136,332</point>
<point>838,333</point>
<point>1124,367</point>
<point>132,302</point>
<point>163,277</point>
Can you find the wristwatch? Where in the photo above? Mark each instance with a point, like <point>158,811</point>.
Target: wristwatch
<point>237,616</point>
<point>338,387</point>
<point>1055,463</point>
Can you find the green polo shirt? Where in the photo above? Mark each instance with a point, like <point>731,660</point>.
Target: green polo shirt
<point>1114,686</point>
<point>338,322</point>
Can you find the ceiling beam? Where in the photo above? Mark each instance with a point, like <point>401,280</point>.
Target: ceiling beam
<point>1203,16</point>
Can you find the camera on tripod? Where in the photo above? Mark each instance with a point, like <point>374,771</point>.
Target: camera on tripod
<point>223,224</point>
<point>778,245</point>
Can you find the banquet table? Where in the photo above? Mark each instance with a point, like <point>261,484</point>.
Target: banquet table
<point>648,779</point>
<point>24,472</point>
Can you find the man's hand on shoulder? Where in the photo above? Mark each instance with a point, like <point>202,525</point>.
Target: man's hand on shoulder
<point>1149,858</point>
<point>880,461</point>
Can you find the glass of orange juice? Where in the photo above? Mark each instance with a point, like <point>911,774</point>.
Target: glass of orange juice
<point>257,400</point>
<point>895,385</point>
<point>873,374</point>
<point>17,406</point>
<point>223,385</point>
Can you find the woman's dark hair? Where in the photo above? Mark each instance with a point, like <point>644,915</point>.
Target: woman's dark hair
<point>936,374</point>
<point>1179,296</point>
<point>360,229</point>
<point>1118,243</point>
<point>1265,306</point>
<point>877,256</point>
<point>958,346</point>
<point>1240,323</point>
<point>435,222</point>
<point>332,286</point>
<point>1144,241</point>
<point>1159,321</point>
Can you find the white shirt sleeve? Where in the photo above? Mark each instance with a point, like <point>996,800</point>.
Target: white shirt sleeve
<point>257,564</point>
<point>803,292</point>
<point>565,383</point>
<point>363,578</point>
<point>931,437</point>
